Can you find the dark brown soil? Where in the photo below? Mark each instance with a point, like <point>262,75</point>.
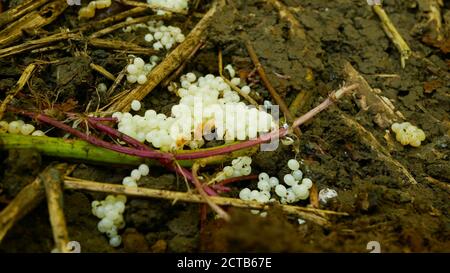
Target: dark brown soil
<point>382,206</point>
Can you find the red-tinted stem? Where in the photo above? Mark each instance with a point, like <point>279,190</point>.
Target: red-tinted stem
<point>220,188</point>
<point>115,133</point>
<point>237,179</point>
<point>95,141</point>
<point>232,148</point>
<point>111,119</point>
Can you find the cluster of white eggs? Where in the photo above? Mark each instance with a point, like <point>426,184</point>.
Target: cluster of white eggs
<point>89,10</point>
<point>163,36</point>
<point>135,175</point>
<point>160,35</point>
<point>406,133</point>
<point>172,4</point>
<point>220,106</point>
<point>240,166</point>
<point>298,186</point>
<point>111,210</point>
<point>138,70</point>
<point>19,127</point>
<point>206,105</point>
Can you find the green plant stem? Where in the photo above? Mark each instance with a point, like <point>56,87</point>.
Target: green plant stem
<point>72,149</point>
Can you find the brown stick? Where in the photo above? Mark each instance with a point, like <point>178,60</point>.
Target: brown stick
<point>27,199</point>
<point>295,29</point>
<point>151,6</point>
<point>169,64</point>
<point>117,81</point>
<point>325,104</point>
<point>33,44</point>
<point>180,69</point>
<point>20,10</point>
<point>111,19</point>
<point>314,215</point>
<point>205,196</point>
<point>124,24</point>
<point>384,114</point>
<point>383,155</point>
<point>273,93</point>
<point>299,102</point>
<point>24,202</point>
<point>16,89</point>
<point>392,32</point>
<point>121,45</point>
<point>52,183</point>
<point>32,20</point>
<point>100,69</point>
<point>234,87</point>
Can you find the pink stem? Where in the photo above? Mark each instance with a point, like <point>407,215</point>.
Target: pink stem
<point>234,147</point>
<point>168,164</point>
<point>237,179</point>
<point>220,188</point>
<point>115,133</point>
<point>267,137</point>
<point>111,119</point>
<point>186,173</point>
<point>95,141</point>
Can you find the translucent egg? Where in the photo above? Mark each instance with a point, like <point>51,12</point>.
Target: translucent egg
<point>244,194</point>
<point>280,190</point>
<point>297,174</point>
<point>273,182</point>
<point>136,105</point>
<point>26,129</point>
<point>245,89</point>
<point>141,79</point>
<point>263,176</point>
<point>307,182</point>
<point>14,127</point>
<point>143,169</point>
<point>115,241</point>
<point>264,185</point>
<point>132,69</point>
<point>289,180</point>
<point>293,164</point>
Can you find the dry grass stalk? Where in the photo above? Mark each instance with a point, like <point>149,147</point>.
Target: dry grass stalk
<point>117,81</point>
<point>180,69</point>
<point>393,34</point>
<point>17,88</point>
<point>18,11</point>
<point>111,19</point>
<point>315,215</point>
<point>121,45</point>
<point>299,102</point>
<point>383,111</point>
<point>382,153</point>
<point>199,186</point>
<point>27,199</point>
<point>33,20</point>
<point>234,87</point>
<point>273,93</point>
<point>100,69</point>
<point>38,43</point>
<point>169,64</point>
<point>24,202</point>
<point>151,6</point>
<point>120,25</point>
<point>53,179</point>
<point>296,29</point>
